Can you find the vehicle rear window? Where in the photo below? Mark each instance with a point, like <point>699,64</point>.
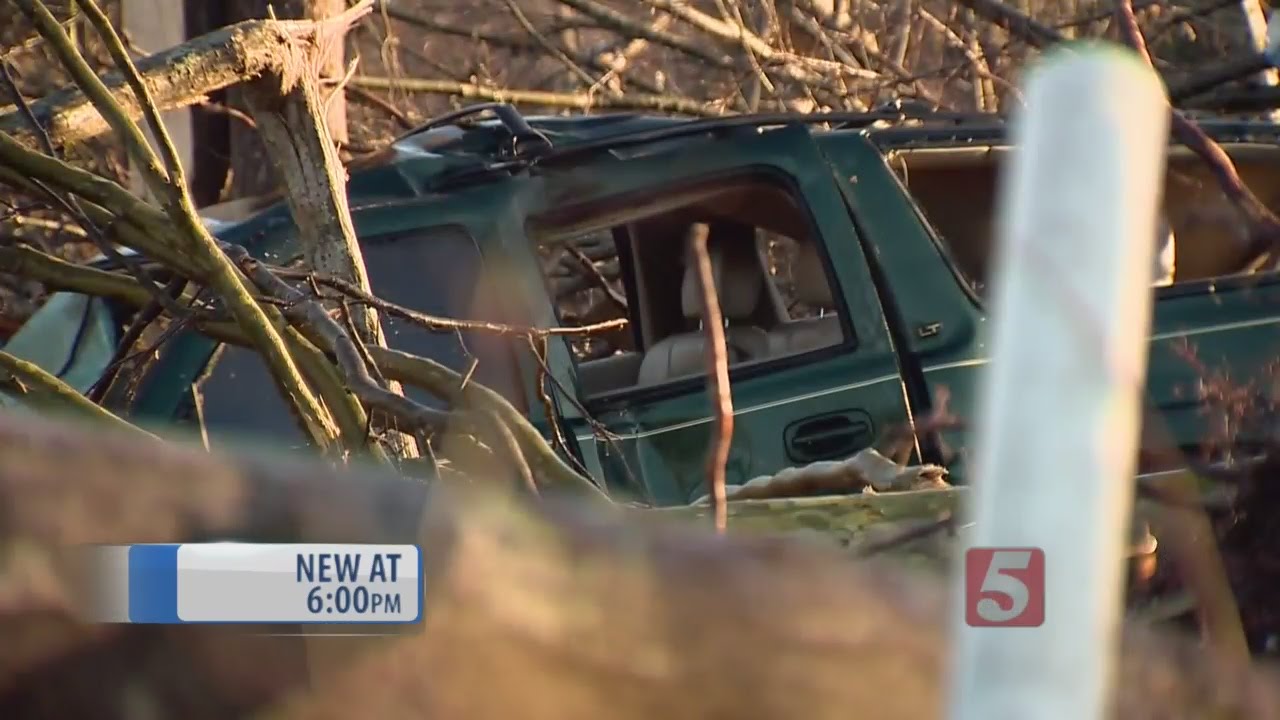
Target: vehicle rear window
<point>438,271</point>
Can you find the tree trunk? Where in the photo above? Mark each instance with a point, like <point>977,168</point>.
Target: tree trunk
<point>250,175</point>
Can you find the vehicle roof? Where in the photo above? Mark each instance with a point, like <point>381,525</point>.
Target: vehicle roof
<point>460,147</point>
<point>437,150</point>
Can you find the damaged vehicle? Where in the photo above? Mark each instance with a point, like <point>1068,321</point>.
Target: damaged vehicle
<point>850,253</point>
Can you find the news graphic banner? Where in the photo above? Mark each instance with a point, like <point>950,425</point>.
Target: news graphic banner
<point>257,583</point>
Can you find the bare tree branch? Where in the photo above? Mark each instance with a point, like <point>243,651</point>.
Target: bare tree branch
<point>577,101</point>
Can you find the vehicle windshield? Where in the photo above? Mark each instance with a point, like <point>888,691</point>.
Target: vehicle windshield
<point>72,336</point>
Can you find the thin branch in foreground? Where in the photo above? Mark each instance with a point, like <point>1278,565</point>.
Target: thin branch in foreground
<point>717,358</point>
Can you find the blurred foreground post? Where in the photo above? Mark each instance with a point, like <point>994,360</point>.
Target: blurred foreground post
<point>1059,415</point>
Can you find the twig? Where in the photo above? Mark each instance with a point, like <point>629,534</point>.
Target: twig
<point>24,107</point>
<point>1182,525</point>
<point>369,98</point>
<point>419,372</point>
<point>359,343</point>
<point>805,70</point>
<point>72,205</point>
<point>166,178</point>
<point>1263,224</point>
<point>579,101</point>
<point>354,333</point>
<point>628,27</point>
<point>976,60</point>
<point>594,273</point>
<point>1216,76</point>
<point>1107,13</point>
<point>1184,14</point>
<point>547,45</point>
<point>436,323</point>
<point>867,56</point>
<point>717,360</point>
<point>467,32</point>
<point>598,429</point>
<point>141,321</point>
<point>1015,22</point>
<point>538,346</point>
<point>732,13</point>
<point>210,106</point>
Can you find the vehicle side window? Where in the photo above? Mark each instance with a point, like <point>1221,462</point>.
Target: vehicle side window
<point>630,259</point>
<point>1200,237</point>
<point>584,278</point>
<point>437,271</point>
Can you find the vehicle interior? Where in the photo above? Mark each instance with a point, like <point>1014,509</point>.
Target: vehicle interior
<point>631,258</point>
<point>955,189</point>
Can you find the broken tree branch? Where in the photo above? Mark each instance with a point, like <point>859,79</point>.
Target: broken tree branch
<point>290,110</point>
<point>178,77</point>
<point>193,238</point>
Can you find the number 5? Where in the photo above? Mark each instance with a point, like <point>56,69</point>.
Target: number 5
<point>1000,582</point>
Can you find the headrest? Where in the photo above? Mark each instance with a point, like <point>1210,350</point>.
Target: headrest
<point>1166,254</point>
<point>810,278</point>
<point>739,278</point>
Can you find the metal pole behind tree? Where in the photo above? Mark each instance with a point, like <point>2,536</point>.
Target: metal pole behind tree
<point>1060,408</point>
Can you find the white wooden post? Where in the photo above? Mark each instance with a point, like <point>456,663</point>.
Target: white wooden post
<point>1058,418</point>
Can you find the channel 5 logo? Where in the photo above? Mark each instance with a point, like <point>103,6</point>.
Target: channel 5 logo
<point>1004,587</point>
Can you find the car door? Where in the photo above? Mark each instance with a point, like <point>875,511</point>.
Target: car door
<point>1212,365</point>
<point>817,387</point>
<point>942,344</point>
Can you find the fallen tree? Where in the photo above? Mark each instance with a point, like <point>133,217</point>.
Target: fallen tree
<point>534,608</point>
<point>178,77</point>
